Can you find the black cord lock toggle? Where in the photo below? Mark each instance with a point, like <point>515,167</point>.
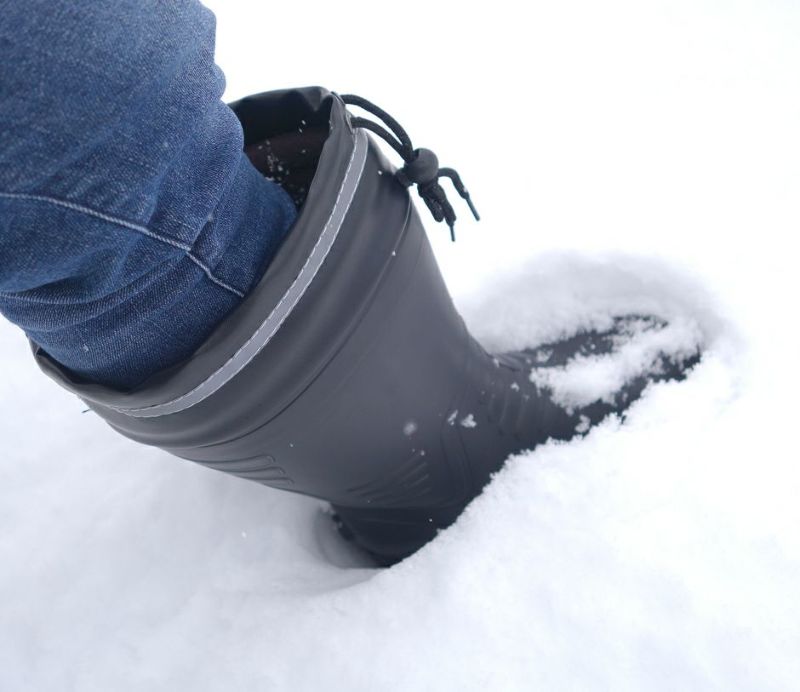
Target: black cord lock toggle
<point>421,170</point>
<point>421,166</point>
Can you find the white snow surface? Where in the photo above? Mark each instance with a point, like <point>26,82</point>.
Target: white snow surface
<point>625,156</point>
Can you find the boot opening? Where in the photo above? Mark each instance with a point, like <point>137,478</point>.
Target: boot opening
<point>284,142</point>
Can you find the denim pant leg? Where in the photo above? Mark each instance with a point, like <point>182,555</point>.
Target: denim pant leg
<point>131,222</point>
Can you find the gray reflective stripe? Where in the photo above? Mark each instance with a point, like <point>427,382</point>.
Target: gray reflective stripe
<point>272,323</point>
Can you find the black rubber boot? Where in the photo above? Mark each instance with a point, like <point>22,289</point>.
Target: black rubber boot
<point>347,374</point>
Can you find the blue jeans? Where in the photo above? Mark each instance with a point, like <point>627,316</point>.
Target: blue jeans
<point>131,223</point>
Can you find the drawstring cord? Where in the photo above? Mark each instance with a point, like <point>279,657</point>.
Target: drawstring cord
<point>421,167</point>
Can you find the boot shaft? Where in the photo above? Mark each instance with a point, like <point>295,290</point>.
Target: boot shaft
<point>336,376</point>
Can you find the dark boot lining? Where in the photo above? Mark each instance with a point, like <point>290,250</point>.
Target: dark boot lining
<point>290,159</point>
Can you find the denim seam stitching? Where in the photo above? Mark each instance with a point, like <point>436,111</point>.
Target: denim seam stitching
<point>129,225</point>
<point>210,220</point>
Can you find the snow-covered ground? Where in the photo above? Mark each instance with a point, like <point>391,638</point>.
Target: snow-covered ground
<point>622,154</point>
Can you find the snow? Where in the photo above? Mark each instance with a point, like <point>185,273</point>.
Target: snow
<point>592,292</point>
<point>409,428</point>
<point>468,421</point>
<point>583,425</point>
<point>625,156</point>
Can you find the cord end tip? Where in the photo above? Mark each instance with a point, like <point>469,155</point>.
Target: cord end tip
<point>473,209</point>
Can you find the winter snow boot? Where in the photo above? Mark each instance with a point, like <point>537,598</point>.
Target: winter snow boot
<point>347,373</point>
